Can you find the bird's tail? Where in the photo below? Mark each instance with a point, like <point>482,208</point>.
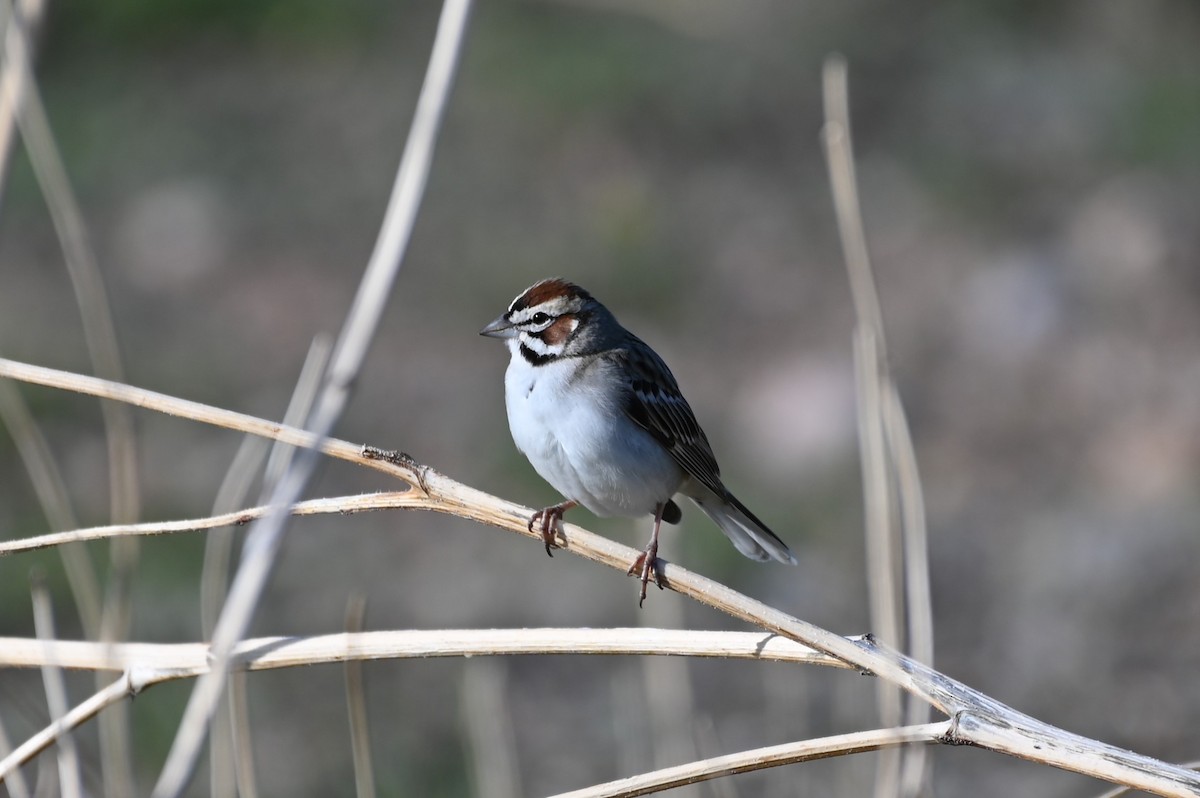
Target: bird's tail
<point>749,535</point>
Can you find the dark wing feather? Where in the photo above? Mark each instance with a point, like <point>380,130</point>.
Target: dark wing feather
<point>654,403</point>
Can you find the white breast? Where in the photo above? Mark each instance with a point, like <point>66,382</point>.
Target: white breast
<point>566,417</point>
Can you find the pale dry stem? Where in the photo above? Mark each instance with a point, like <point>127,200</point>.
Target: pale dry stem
<point>130,684</point>
<point>897,552</point>
<point>981,720</point>
<point>267,653</point>
<point>17,787</point>
<point>69,779</point>
<point>772,756</point>
<point>145,664</point>
<point>101,340</point>
<point>356,706</point>
<point>491,743</point>
<point>231,745</point>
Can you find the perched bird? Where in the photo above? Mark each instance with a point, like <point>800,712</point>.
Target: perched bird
<point>601,418</point>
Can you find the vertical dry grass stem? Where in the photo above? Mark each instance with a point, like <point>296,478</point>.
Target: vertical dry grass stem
<point>15,82</point>
<point>55,500</point>
<point>231,767</point>
<point>308,387</point>
<point>231,743</point>
<point>839,155</point>
<point>356,706</point>
<point>887,608</point>
<point>82,267</point>
<point>238,702</point>
<point>17,787</point>
<point>70,784</point>
<point>235,488</point>
<point>101,340</point>
<point>491,743</point>
<point>265,536</point>
<point>28,14</point>
<point>889,490</point>
<point>668,702</point>
<point>918,594</point>
<point>628,720</point>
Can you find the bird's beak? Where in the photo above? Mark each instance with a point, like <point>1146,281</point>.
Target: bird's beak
<point>500,328</point>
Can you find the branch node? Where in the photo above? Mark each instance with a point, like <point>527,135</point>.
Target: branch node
<point>400,460</point>
<point>952,735</point>
<point>139,677</point>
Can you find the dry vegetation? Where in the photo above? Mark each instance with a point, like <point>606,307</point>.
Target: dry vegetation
<point>907,690</point>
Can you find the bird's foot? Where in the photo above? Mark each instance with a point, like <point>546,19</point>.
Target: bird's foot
<point>548,522</point>
<point>646,564</point>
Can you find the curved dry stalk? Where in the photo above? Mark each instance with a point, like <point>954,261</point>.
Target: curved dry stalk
<point>759,758</point>
<point>21,21</point>
<point>839,156</point>
<point>130,684</point>
<point>83,268</point>
<point>979,719</point>
<point>12,77</point>
<point>900,597</point>
<point>267,653</point>
<point>100,337</point>
<point>194,411</point>
<point>339,505</point>
<point>53,496</point>
<point>146,664</point>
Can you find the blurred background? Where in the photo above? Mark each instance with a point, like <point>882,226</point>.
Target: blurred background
<point>1030,176</point>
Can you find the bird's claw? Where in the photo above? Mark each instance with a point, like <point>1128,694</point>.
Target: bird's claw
<point>546,522</point>
<point>647,563</point>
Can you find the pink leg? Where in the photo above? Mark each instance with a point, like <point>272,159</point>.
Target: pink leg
<point>647,562</point>
<point>547,520</point>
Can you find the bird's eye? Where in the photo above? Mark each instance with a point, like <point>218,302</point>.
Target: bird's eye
<point>540,318</point>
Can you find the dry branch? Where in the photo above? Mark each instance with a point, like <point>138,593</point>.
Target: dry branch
<point>977,719</point>
<point>146,664</point>
<point>759,758</point>
<point>266,653</point>
<point>341,505</point>
<point>130,684</point>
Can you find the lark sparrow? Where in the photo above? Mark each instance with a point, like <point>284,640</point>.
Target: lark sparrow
<point>601,418</point>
